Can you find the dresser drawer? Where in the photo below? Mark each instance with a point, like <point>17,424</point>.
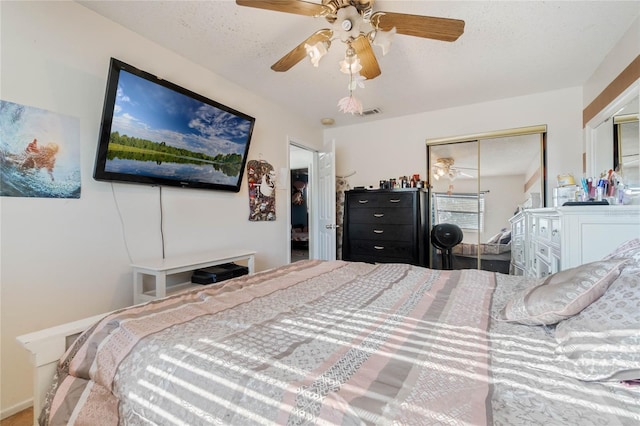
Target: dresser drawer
<point>373,199</point>
<point>382,232</point>
<point>544,269</point>
<point>382,251</point>
<point>517,253</point>
<point>543,251</point>
<point>401,215</point>
<point>555,231</point>
<point>543,229</point>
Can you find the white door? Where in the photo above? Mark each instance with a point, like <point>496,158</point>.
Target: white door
<point>326,204</point>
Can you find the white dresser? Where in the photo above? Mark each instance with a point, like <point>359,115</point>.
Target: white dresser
<point>548,240</point>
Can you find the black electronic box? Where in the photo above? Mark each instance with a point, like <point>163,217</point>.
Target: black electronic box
<point>216,274</point>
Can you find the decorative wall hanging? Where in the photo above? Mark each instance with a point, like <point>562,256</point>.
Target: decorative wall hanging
<point>39,153</point>
<point>262,195</point>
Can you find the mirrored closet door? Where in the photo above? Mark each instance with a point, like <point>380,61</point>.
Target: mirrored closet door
<point>478,183</point>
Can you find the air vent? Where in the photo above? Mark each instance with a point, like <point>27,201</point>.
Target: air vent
<point>372,111</point>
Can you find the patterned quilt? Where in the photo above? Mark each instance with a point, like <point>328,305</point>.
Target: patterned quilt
<point>319,342</point>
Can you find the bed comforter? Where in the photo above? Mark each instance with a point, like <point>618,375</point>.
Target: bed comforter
<point>328,343</point>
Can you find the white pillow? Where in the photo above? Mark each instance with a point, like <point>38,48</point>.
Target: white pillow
<point>628,250</point>
<point>603,341</point>
<point>563,294</point>
<point>495,239</point>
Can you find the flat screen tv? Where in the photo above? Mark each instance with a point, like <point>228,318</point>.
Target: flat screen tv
<point>158,133</point>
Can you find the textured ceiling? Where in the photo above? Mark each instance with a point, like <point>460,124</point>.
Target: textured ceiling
<point>508,49</point>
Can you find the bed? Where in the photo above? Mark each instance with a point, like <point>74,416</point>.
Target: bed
<point>494,257</point>
<point>299,237</point>
<point>334,342</point>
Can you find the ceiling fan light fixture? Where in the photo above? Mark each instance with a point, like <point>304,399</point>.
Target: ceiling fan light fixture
<point>347,24</point>
<point>316,51</point>
<point>350,65</point>
<point>383,39</point>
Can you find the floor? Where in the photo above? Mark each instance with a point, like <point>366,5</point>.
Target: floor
<point>299,254</point>
<point>23,418</point>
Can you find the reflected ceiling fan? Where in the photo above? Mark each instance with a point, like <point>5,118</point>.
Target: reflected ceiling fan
<point>444,167</point>
<point>356,24</point>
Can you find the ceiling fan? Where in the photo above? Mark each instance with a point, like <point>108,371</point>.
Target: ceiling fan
<point>356,24</point>
<point>444,167</point>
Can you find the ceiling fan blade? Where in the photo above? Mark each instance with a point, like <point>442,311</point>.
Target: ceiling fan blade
<point>444,29</point>
<point>370,68</point>
<point>299,52</point>
<point>297,7</point>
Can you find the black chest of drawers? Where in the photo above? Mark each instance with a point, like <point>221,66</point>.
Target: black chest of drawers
<point>384,226</point>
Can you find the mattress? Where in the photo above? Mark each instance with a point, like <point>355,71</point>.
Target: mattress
<point>334,342</point>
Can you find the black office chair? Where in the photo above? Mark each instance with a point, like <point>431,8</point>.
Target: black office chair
<point>446,236</point>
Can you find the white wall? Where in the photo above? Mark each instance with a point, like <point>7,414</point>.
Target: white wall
<point>65,259</point>
<point>396,147</point>
<point>624,52</point>
<point>596,141</point>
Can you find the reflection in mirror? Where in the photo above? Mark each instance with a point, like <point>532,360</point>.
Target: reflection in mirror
<point>626,149</point>
<point>612,140</point>
<point>479,185</point>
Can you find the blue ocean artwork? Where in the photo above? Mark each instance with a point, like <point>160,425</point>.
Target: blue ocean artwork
<point>39,153</point>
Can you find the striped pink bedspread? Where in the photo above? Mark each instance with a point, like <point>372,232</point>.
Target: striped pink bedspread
<point>327,343</point>
<point>312,342</point>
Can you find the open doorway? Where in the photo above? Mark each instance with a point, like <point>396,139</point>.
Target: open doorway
<point>300,166</point>
<point>299,214</point>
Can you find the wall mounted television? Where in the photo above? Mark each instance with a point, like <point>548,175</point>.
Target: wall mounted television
<point>157,133</point>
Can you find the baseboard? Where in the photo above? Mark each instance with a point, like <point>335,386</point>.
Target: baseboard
<point>8,412</point>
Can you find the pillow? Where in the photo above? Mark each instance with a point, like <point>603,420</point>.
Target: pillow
<point>563,294</point>
<point>505,238</point>
<point>629,250</point>
<point>603,341</point>
<point>495,239</point>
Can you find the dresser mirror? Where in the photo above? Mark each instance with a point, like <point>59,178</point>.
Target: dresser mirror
<point>626,145</point>
<point>479,182</point>
<point>612,139</point>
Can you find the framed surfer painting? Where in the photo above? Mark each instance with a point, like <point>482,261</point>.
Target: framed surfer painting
<point>39,153</point>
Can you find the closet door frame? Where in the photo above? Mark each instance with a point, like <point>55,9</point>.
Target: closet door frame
<point>537,182</point>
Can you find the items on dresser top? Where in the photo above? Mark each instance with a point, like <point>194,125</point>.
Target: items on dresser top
<point>384,226</point>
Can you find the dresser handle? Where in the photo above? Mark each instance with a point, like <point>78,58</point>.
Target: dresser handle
<point>395,200</point>
<point>378,247</point>
<point>378,231</point>
<point>378,214</point>
<point>363,201</point>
